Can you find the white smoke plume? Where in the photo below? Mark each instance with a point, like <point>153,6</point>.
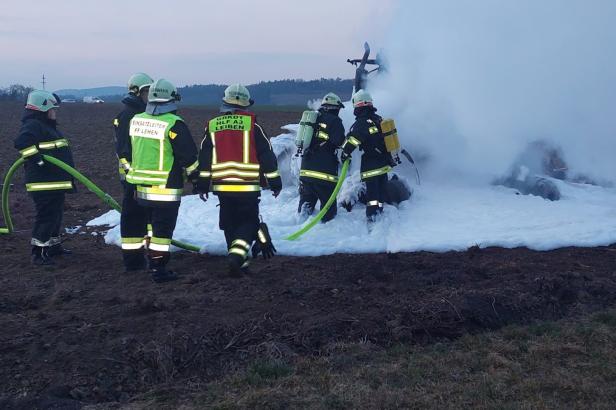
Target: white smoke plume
<point>471,82</point>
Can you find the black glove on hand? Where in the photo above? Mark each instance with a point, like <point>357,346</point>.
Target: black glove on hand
<point>344,156</point>
<point>264,242</point>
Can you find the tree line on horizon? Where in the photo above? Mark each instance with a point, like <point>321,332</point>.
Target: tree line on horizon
<point>279,92</point>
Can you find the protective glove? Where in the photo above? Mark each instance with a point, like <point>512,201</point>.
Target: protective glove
<point>204,197</point>
<point>345,156</point>
<point>275,193</point>
<point>264,243</point>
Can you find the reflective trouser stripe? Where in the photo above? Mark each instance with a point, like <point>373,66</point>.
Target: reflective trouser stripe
<point>160,244</point>
<point>271,175</point>
<point>132,243</point>
<point>323,135</point>
<point>49,186</point>
<point>36,242</point>
<point>150,230</point>
<point>373,203</point>
<point>236,188</point>
<point>375,172</point>
<point>318,175</point>
<point>241,243</point>
<point>190,169</point>
<point>28,152</point>
<point>205,174</point>
<point>238,251</point>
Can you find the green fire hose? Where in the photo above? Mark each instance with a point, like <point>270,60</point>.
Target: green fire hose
<point>105,197</point>
<point>325,208</point>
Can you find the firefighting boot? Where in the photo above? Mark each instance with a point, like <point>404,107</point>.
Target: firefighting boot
<point>40,256</point>
<point>59,250</point>
<point>134,260</point>
<point>235,263</point>
<point>157,268</point>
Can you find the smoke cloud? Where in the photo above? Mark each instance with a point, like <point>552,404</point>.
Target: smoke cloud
<point>472,82</point>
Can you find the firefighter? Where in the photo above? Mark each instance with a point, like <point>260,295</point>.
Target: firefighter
<point>319,170</point>
<point>235,155</point>
<point>46,183</point>
<point>376,162</point>
<point>133,215</point>
<point>163,154</point>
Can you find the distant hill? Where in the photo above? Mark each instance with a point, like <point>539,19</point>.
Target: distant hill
<point>281,92</point>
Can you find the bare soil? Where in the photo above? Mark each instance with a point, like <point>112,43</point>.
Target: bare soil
<point>85,332</point>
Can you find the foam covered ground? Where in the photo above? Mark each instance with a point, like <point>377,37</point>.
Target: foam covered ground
<point>442,215</point>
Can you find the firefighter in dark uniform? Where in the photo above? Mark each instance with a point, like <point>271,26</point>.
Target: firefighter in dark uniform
<point>235,155</point>
<point>133,215</point>
<point>376,162</point>
<point>319,170</point>
<point>46,183</point>
<point>163,154</point>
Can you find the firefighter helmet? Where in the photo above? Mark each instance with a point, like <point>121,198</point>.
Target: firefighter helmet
<point>333,100</point>
<point>237,94</point>
<point>162,91</point>
<point>139,80</point>
<point>362,98</point>
<point>41,100</point>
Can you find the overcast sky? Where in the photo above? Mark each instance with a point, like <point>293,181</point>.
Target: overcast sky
<point>79,44</point>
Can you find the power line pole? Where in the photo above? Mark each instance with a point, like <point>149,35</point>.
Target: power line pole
<point>43,82</point>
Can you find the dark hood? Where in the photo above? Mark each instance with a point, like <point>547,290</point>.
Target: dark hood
<point>226,107</point>
<point>39,116</point>
<point>134,101</point>
<point>329,109</point>
<point>365,111</point>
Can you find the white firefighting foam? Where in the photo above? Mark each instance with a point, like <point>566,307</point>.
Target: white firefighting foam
<point>443,214</point>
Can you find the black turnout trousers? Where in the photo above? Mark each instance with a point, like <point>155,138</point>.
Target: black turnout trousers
<point>376,189</point>
<point>239,218</point>
<point>48,221</point>
<point>311,191</point>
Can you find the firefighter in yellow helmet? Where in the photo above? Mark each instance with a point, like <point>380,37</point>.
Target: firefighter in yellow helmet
<point>46,183</point>
<point>376,162</point>
<point>163,154</point>
<point>236,156</point>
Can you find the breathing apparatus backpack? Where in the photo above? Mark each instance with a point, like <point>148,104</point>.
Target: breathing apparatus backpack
<point>390,135</point>
<point>307,129</point>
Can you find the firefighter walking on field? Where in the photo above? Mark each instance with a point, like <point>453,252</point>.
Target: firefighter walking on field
<point>319,170</point>
<point>376,161</point>
<point>235,155</point>
<point>46,183</point>
<point>133,214</point>
<point>163,155</point>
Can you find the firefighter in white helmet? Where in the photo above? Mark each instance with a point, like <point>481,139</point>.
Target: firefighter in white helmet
<point>46,183</point>
<point>236,158</point>
<point>133,214</point>
<point>163,155</point>
<point>376,162</point>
